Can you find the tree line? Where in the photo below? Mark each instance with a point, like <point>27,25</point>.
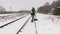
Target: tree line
<point>53,8</point>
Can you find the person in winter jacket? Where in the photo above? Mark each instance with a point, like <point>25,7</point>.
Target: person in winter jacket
<point>32,13</point>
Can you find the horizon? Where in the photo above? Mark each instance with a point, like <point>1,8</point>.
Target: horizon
<point>16,5</point>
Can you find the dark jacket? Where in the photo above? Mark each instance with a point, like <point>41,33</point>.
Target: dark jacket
<point>33,11</point>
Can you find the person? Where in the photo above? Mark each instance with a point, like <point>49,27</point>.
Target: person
<point>33,13</point>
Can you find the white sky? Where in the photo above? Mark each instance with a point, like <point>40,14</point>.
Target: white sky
<point>22,4</point>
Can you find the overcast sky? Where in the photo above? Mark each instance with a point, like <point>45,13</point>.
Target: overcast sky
<point>22,4</point>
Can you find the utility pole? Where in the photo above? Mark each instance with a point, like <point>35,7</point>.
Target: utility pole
<point>10,8</point>
<point>35,28</point>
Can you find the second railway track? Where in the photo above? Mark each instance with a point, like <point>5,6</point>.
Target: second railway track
<point>12,21</point>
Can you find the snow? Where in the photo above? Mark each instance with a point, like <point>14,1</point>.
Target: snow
<point>46,24</point>
<point>8,18</point>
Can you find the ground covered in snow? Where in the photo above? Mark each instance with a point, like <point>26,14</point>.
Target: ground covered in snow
<point>5,18</point>
<point>46,24</point>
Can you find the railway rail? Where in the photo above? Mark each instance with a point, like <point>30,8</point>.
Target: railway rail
<point>12,21</point>
<point>22,25</point>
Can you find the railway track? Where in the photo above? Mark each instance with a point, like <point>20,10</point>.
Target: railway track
<point>22,25</point>
<point>12,21</point>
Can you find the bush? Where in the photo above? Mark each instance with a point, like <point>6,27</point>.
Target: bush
<point>56,11</point>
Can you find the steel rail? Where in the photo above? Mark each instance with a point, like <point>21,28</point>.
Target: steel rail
<point>23,25</point>
<point>12,21</point>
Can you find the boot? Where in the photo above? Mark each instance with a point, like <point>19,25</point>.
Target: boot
<point>31,20</point>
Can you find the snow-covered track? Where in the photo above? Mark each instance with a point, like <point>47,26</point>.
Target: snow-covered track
<point>23,25</point>
<point>12,21</point>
